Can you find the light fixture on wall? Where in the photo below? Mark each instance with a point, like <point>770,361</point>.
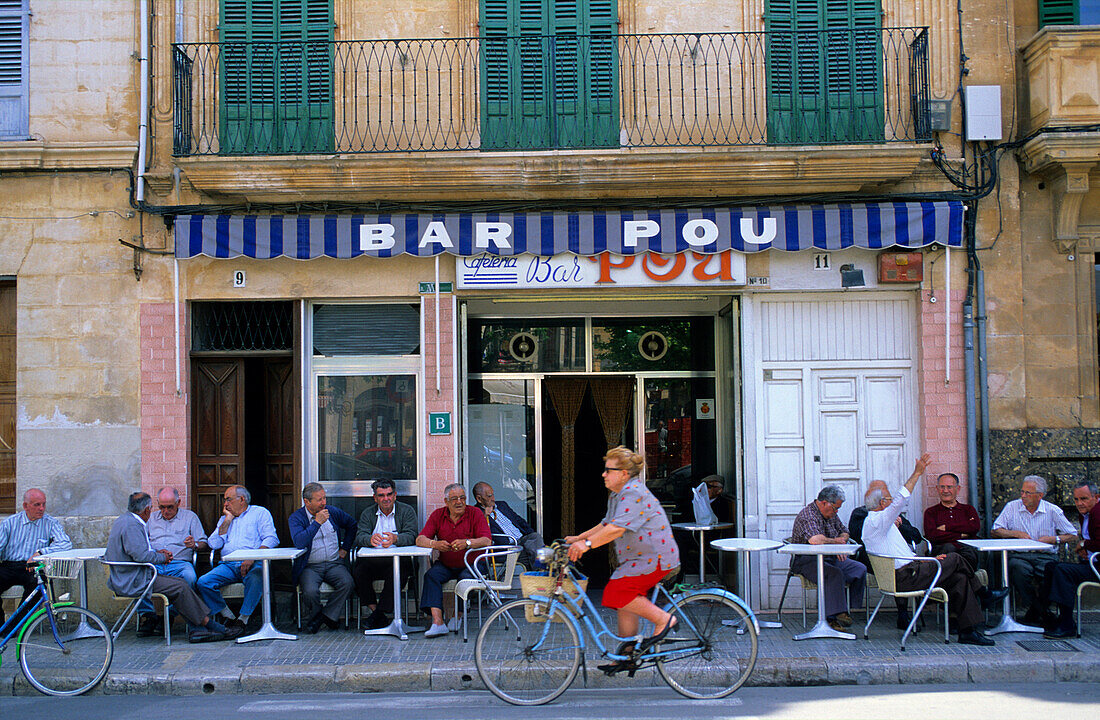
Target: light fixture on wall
<point>850,276</point>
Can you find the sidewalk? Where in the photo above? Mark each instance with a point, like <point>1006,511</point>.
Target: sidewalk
<point>346,661</point>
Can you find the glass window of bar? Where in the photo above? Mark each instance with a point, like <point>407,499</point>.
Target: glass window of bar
<point>648,344</point>
<point>526,345</point>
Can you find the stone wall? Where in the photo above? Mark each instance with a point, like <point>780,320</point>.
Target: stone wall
<point>1064,456</point>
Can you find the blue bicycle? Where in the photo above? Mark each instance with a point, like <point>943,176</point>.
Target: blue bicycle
<point>63,649</point>
<point>528,651</point>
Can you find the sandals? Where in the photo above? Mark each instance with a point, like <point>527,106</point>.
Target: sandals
<point>630,665</point>
<point>655,639</point>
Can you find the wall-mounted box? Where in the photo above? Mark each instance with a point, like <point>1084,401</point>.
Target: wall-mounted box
<point>983,112</point>
<point>900,267</point>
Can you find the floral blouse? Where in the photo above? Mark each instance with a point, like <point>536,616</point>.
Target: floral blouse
<point>647,543</point>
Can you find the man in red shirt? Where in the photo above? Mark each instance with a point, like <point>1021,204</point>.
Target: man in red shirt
<point>950,521</point>
<point>452,531</point>
<point>1061,579</point>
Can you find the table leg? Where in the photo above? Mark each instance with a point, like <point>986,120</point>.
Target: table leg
<point>1008,623</point>
<point>702,549</point>
<point>83,629</point>
<point>267,631</point>
<point>397,627</point>
<point>822,629</point>
<point>748,599</point>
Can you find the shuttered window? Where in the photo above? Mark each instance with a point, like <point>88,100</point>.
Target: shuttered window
<point>14,100</point>
<point>549,73</point>
<point>1069,12</point>
<point>276,75</point>
<point>824,71</point>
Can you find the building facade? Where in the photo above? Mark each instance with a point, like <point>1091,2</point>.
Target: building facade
<point>271,242</point>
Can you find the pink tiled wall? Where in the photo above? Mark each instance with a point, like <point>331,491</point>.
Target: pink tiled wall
<point>942,407</point>
<point>164,419</point>
<point>440,451</point>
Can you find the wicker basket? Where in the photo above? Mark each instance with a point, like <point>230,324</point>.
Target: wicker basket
<point>62,569</point>
<point>533,583</point>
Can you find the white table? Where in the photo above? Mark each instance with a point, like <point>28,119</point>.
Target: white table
<point>821,629</point>
<point>267,631</point>
<point>702,530</point>
<point>1005,546</point>
<point>397,628</point>
<point>746,546</point>
<point>83,630</point>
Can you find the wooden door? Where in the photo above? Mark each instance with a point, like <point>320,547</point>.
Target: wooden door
<point>7,398</point>
<point>217,432</point>
<point>280,393</point>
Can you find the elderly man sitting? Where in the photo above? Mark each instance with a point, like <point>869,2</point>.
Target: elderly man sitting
<point>966,596</point>
<point>179,531</point>
<point>503,520</point>
<point>1032,517</point>
<point>327,534</point>
<point>24,536</point>
<point>1061,580</point>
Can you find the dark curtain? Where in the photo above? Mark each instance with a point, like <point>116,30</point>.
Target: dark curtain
<point>613,396</point>
<point>566,395</point>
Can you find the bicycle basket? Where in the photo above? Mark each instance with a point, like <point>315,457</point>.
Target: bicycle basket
<point>534,583</point>
<point>62,569</point>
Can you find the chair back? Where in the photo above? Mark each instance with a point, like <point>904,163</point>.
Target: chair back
<point>481,566</point>
<point>1094,561</point>
<point>883,568</point>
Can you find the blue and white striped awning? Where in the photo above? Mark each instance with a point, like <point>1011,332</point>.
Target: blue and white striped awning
<point>707,230</point>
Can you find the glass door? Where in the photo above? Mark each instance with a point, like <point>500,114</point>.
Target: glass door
<point>500,442</point>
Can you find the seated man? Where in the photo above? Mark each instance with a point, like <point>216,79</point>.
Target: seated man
<point>818,524</point>
<point>386,523</point>
<point>1063,578</point>
<point>1032,517</point>
<point>180,532</point>
<point>722,503</point>
<point>966,596</point>
<point>129,542</point>
<point>23,537</point>
<point>949,521</point>
<point>243,527</point>
<point>503,520</point>
<point>452,530</point>
<point>326,534</point>
<point>909,533</point>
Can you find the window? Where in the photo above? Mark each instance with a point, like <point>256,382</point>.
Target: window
<point>14,102</point>
<point>529,345</point>
<point>276,76</point>
<point>1069,12</point>
<point>549,73</point>
<point>824,71</point>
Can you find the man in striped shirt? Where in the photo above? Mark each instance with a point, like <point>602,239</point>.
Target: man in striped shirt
<point>1032,518</point>
<point>24,536</point>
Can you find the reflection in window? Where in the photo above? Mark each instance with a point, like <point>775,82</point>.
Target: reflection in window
<point>366,427</point>
<point>501,441</point>
<point>656,344</point>
<point>526,345</point>
<point>680,438</point>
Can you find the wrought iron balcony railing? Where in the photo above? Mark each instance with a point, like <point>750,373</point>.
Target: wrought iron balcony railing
<point>545,92</point>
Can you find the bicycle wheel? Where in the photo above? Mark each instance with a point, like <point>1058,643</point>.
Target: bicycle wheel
<point>527,663</point>
<point>74,666</point>
<point>722,659</point>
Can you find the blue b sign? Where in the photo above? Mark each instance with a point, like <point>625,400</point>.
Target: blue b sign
<point>439,423</point>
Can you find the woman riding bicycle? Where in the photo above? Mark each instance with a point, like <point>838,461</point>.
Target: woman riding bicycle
<point>646,551</point>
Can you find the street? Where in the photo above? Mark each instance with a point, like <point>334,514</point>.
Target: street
<point>1065,701</point>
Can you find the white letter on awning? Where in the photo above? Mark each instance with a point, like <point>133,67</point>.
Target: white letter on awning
<point>748,231</point>
<point>634,229</point>
<point>699,233</point>
<point>436,232</point>
<point>497,232</point>
<point>375,237</point>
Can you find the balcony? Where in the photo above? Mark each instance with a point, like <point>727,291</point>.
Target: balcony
<point>276,120</point>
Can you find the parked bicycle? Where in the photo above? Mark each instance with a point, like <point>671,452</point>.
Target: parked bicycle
<point>528,652</point>
<point>62,649</point>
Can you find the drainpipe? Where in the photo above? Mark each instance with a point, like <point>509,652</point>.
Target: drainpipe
<point>971,410</point>
<point>143,102</point>
<point>983,387</point>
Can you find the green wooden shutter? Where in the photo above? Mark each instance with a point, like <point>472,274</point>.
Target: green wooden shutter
<point>276,76</point>
<point>14,70</point>
<point>824,71</point>
<point>1058,12</point>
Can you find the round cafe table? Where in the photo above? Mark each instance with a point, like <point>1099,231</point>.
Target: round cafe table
<point>821,629</point>
<point>745,546</point>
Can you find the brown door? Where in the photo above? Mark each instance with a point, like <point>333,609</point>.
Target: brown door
<point>217,434</point>
<point>7,397</point>
<point>280,394</point>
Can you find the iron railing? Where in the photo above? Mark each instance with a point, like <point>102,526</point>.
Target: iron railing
<point>543,92</point>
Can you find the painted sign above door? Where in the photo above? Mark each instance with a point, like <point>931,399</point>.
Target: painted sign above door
<point>603,271</point>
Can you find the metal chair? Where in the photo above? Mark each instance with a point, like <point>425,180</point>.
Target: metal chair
<point>806,584</point>
<point>490,582</point>
<point>885,576</point>
<point>1093,557</point>
<point>135,600</point>
<point>326,590</point>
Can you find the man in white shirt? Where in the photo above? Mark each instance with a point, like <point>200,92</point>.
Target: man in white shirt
<point>385,523</point>
<point>966,596</point>
<point>178,531</point>
<point>1032,518</point>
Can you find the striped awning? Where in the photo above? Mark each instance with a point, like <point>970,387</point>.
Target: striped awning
<point>707,230</point>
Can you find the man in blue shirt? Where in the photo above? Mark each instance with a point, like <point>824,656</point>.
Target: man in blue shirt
<point>24,536</point>
<point>243,527</point>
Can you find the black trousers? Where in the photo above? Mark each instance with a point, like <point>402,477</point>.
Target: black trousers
<point>367,570</point>
<point>1062,580</point>
<point>15,573</point>
<point>957,579</point>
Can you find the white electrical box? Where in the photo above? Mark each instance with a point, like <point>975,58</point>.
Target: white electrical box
<point>983,112</point>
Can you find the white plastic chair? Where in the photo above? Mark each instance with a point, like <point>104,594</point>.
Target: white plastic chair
<point>886,577</point>
<point>487,582</point>
<point>1093,559</point>
<point>147,591</point>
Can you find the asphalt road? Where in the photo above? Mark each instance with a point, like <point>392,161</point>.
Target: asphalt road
<point>1063,701</point>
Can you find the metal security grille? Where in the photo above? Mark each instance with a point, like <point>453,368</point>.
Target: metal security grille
<point>242,326</point>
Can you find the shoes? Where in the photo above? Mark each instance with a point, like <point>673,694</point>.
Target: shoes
<point>436,631</point>
<point>973,637</point>
<point>234,623</point>
<point>627,666</point>
<point>202,635</point>
<point>314,624</point>
<point>656,639</point>
<point>329,622</point>
<point>990,598</point>
<point>230,633</point>
<point>1061,632</point>
<point>844,619</point>
<point>904,618</point>
<point>836,625</point>
<point>454,624</point>
<point>148,625</point>
<point>377,621</point>
<point>1033,616</point>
